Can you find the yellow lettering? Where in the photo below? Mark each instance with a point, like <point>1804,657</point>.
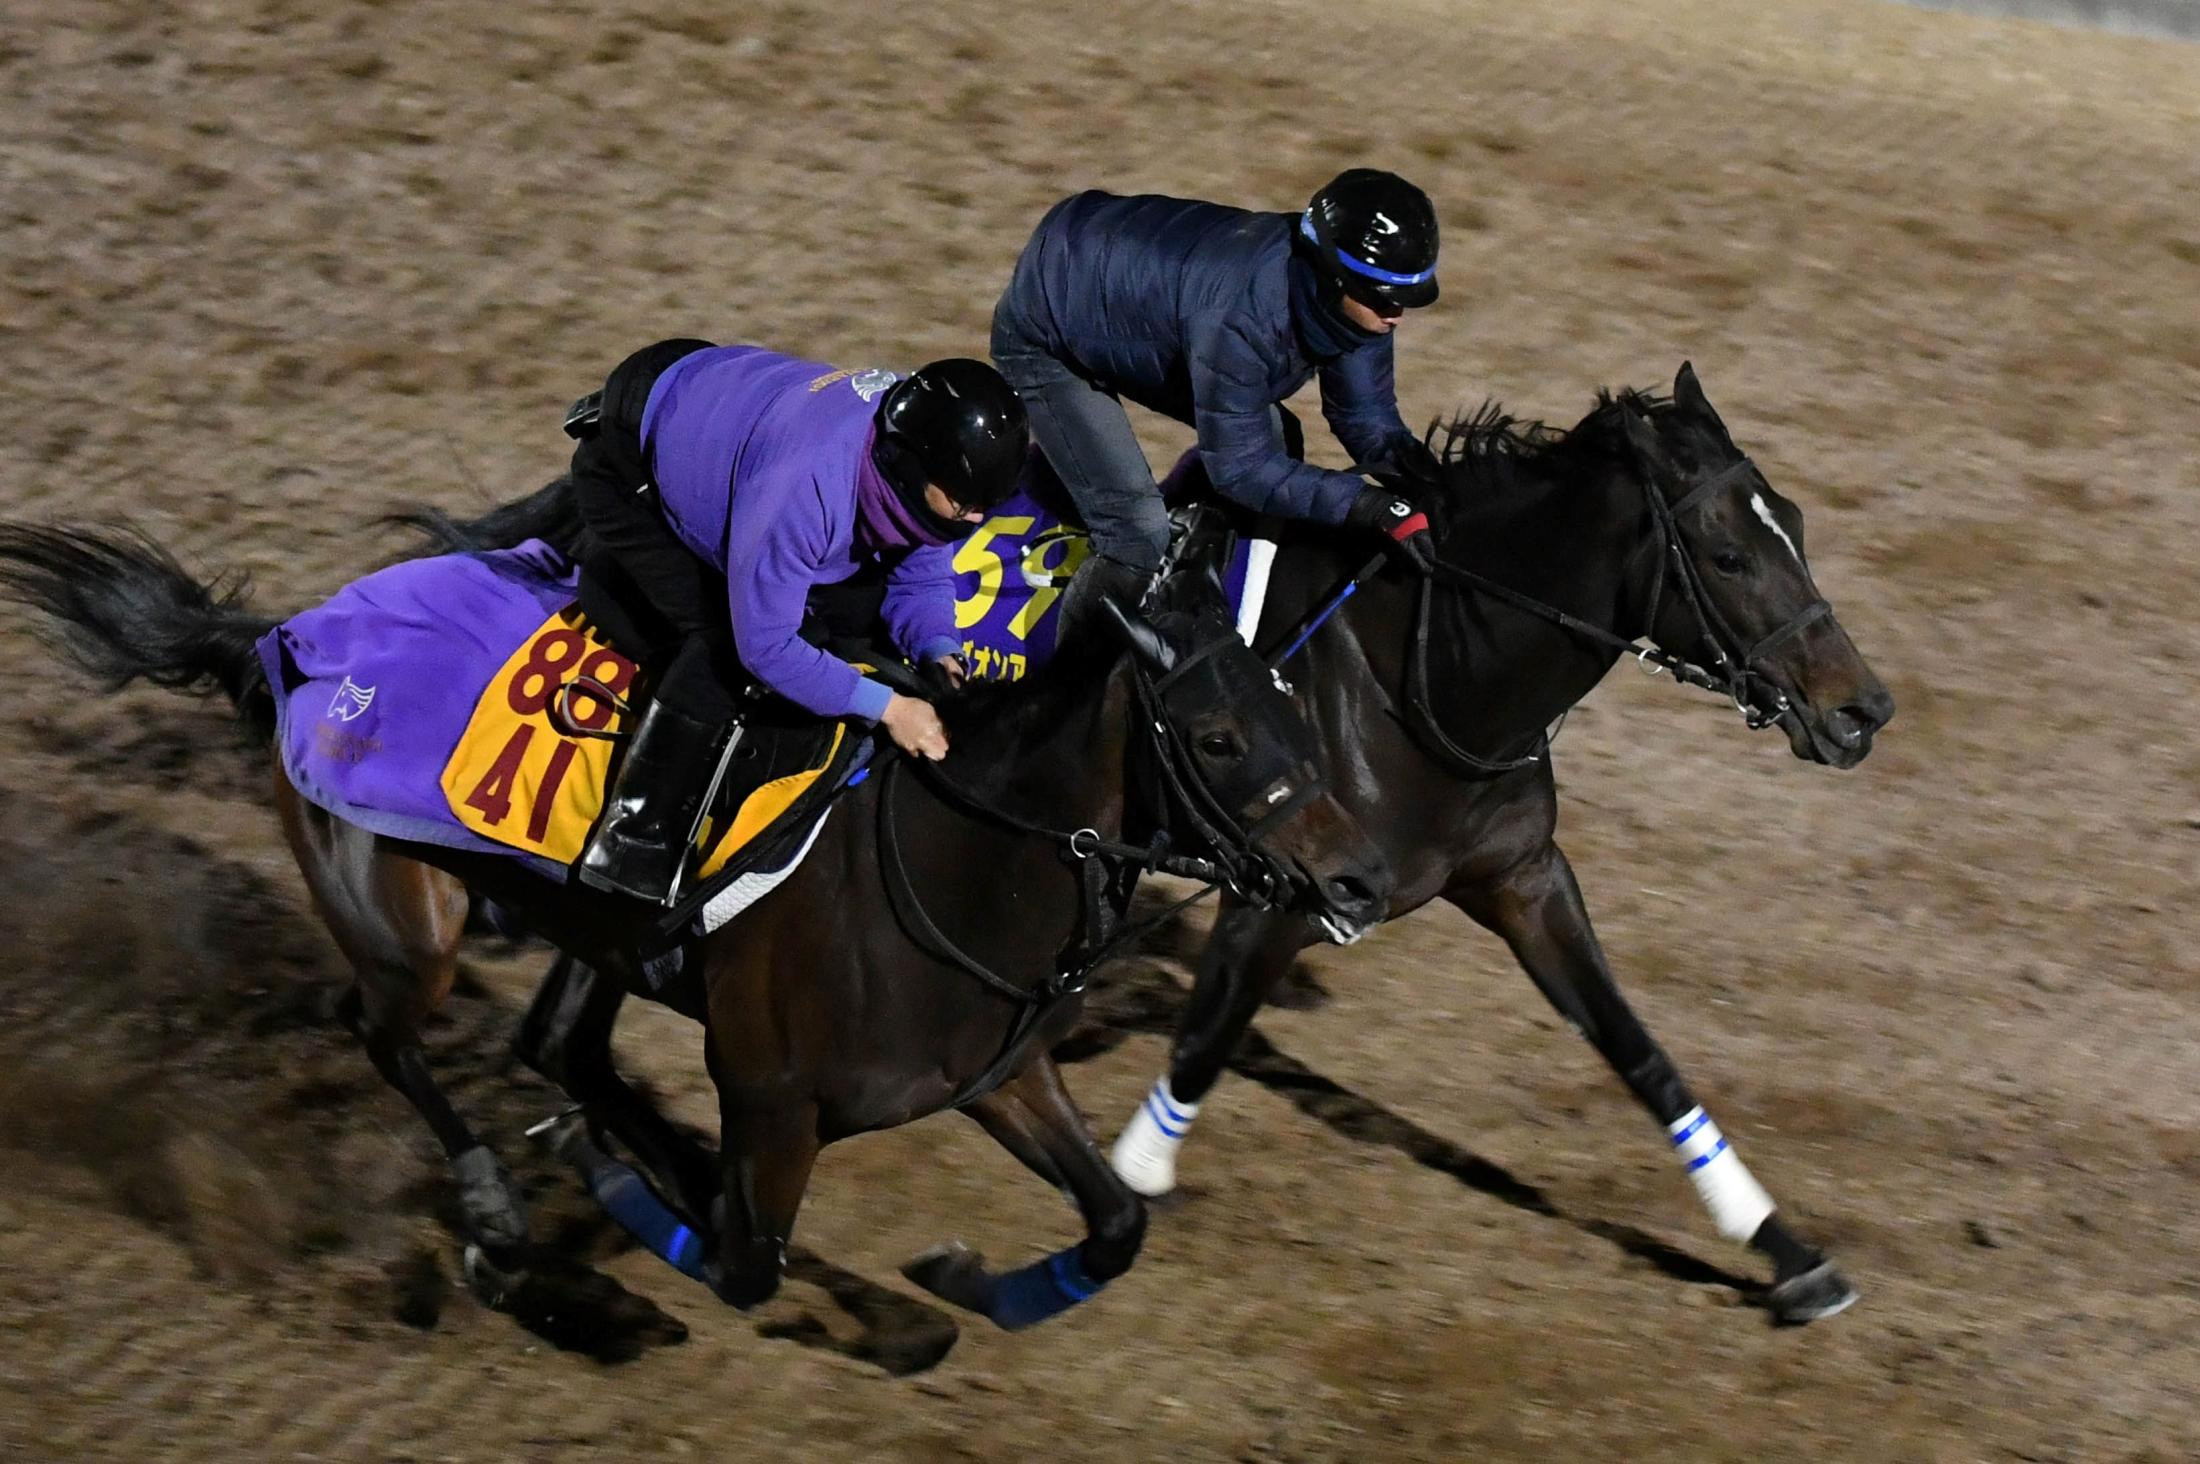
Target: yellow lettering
<point>974,557</point>
<point>1047,580</point>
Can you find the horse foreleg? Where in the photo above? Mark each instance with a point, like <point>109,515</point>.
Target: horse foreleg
<point>1248,953</point>
<point>1033,1117</point>
<point>1536,907</point>
<point>566,1037</point>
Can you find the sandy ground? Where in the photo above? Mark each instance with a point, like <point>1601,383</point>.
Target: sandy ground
<point>268,268</point>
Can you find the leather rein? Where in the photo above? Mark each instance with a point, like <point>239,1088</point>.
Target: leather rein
<point>1734,675</point>
<point>1107,870</point>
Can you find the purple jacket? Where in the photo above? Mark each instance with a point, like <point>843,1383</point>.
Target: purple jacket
<point>763,465</point>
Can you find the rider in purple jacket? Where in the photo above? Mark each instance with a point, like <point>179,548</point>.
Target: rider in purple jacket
<point>737,498</point>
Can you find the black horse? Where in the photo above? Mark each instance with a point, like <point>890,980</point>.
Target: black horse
<point>1561,551</point>
<point>1430,703</point>
<point>927,954</point>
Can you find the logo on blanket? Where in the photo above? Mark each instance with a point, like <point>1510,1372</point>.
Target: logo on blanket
<point>350,700</point>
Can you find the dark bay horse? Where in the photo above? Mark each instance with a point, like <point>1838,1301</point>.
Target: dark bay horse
<point>1645,520</point>
<point>928,953</point>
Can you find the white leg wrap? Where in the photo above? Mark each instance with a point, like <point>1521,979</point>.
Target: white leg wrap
<point>1738,1204</point>
<point>1145,1153</point>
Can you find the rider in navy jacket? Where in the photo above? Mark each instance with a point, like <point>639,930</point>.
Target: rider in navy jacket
<point>1213,316</point>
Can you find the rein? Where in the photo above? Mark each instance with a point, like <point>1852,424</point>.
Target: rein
<point>1738,679</point>
<point>1102,866</point>
<point>1107,870</point>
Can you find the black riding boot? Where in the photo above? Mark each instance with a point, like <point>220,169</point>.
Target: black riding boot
<point>1100,578</point>
<point>641,843</point>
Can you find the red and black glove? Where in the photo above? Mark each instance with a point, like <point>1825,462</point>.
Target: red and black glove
<point>1404,528</point>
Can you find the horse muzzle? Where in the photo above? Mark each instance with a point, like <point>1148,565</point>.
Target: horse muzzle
<point>1840,738</point>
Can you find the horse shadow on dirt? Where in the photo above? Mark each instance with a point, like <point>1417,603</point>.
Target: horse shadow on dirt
<point>1144,1000</point>
<point>169,1036</point>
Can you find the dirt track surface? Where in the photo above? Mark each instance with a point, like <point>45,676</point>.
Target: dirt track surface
<point>267,269</point>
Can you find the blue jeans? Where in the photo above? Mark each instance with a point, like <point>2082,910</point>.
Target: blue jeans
<point>1088,441</point>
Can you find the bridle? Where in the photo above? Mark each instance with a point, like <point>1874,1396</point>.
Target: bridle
<point>1107,870</point>
<point>1734,671</point>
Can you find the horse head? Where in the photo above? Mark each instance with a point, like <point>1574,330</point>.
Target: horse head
<point>1238,759</point>
<point>1739,596</point>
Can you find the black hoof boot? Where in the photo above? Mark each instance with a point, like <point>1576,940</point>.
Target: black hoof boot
<point>955,1274</point>
<point>1811,1296</point>
<point>640,845</point>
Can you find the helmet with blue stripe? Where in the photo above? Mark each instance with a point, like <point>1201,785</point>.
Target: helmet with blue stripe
<point>1375,234</point>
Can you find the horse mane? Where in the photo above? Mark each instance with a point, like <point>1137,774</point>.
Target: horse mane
<point>1491,436</point>
<point>1489,456</point>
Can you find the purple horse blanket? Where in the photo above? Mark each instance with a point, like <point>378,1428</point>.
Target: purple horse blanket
<point>423,702</point>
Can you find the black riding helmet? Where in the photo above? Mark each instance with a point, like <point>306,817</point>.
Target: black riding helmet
<point>958,424</point>
<point>1375,235</point>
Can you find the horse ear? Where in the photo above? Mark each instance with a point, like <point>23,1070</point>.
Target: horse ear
<point>1139,636</point>
<point>1688,396</point>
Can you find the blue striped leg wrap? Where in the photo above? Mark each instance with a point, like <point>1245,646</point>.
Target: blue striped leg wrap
<point>1166,1116</point>
<point>627,1198</point>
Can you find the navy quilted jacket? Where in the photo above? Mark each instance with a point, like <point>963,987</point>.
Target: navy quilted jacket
<point>1201,312</point>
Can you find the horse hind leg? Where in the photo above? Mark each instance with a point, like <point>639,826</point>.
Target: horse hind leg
<point>566,1038</point>
<point>398,921</point>
<point>1033,1117</point>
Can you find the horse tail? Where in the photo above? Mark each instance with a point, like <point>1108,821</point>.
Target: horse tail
<point>124,608</point>
<point>550,513</point>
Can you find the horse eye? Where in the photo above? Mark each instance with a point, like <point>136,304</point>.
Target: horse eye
<point>1727,562</point>
<point>1218,744</point>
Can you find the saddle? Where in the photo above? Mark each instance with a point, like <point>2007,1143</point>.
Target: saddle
<point>541,740</point>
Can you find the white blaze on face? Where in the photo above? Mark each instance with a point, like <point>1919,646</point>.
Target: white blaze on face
<point>1764,511</point>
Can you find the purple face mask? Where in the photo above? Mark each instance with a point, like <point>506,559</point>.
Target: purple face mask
<point>888,523</point>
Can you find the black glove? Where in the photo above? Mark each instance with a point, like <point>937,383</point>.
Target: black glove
<point>1404,528</point>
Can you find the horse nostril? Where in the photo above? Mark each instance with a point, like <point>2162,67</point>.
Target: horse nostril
<point>1851,724</point>
<point>1347,892</point>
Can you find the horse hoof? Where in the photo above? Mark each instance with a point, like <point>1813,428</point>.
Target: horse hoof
<point>954,1273</point>
<point>488,1280</point>
<point>1817,1293</point>
<point>489,1200</point>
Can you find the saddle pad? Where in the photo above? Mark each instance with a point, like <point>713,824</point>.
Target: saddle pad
<point>1009,576</point>
<point>434,701</point>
